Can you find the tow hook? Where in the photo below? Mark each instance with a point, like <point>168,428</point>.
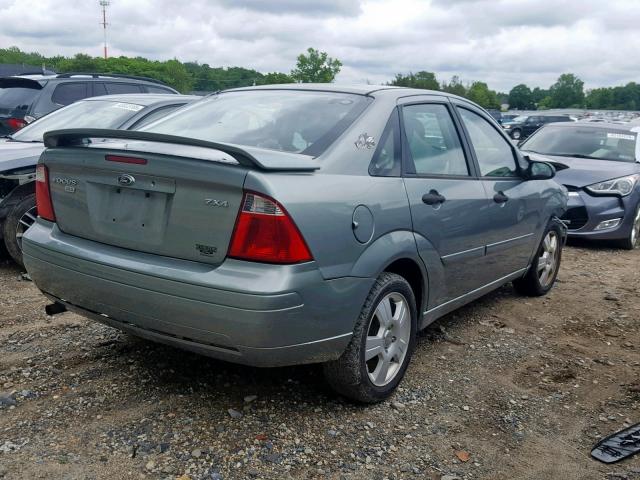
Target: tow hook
<point>55,309</point>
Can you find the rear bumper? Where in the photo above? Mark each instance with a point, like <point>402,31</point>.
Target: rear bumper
<point>255,314</point>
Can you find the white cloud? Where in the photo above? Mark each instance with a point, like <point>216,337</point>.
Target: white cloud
<point>498,41</point>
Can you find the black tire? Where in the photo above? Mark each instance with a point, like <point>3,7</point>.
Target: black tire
<point>13,228</point>
<point>633,239</point>
<point>516,134</point>
<point>532,285</point>
<point>349,375</point>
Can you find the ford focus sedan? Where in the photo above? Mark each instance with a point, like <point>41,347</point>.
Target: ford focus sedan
<point>287,225</point>
<point>598,163</point>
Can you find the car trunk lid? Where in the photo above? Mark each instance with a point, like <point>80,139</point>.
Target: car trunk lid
<point>148,193</point>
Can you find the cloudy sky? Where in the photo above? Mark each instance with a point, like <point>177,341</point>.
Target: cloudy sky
<point>502,42</point>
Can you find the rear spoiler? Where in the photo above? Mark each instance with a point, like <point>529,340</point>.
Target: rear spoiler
<point>252,157</point>
<point>19,82</point>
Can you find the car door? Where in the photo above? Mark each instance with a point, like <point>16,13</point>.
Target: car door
<point>532,124</point>
<point>514,204</point>
<point>448,203</point>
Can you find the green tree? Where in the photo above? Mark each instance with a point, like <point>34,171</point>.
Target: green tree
<point>480,93</point>
<point>454,87</point>
<point>546,103</point>
<point>599,98</point>
<point>538,94</point>
<point>521,98</point>
<point>275,78</point>
<point>568,91</point>
<point>316,67</point>
<point>422,79</point>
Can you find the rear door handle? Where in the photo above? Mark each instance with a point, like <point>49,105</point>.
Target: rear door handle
<point>433,198</point>
<point>500,197</point>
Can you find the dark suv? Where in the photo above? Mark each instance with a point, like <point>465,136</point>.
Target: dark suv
<point>26,98</point>
<point>524,125</point>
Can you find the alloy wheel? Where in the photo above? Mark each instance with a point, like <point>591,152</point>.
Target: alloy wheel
<point>548,259</point>
<point>25,222</point>
<point>388,339</point>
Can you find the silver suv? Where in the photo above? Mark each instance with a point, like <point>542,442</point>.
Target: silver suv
<point>285,225</point>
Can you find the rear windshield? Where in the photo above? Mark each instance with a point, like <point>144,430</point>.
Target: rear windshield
<point>289,121</point>
<point>89,114</point>
<point>17,98</point>
<point>584,142</point>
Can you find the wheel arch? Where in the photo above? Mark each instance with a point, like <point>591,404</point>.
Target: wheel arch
<point>396,252</point>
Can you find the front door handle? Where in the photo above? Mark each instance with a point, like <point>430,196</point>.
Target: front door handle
<point>500,197</point>
<point>433,198</point>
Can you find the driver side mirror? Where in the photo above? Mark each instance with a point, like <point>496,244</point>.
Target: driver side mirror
<point>540,171</point>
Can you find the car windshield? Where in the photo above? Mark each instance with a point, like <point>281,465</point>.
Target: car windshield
<point>519,118</point>
<point>90,114</point>
<point>15,98</point>
<point>286,120</point>
<point>584,142</point>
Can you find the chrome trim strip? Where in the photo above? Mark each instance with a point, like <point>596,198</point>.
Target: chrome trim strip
<point>478,291</point>
<point>463,255</point>
<point>505,244</point>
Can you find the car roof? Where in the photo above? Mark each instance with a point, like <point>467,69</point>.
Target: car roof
<point>347,88</point>
<point>143,98</point>
<point>625,127</point>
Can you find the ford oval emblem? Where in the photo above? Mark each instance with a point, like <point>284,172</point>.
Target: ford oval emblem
<point>126,180</point>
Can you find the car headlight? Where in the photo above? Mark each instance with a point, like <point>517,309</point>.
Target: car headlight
<point>506,126</point>
<point>622,186</point>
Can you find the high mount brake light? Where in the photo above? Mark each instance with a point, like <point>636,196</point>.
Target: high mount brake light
<point>129,160</point>
<point>265,232</point>
<point>43,194</point>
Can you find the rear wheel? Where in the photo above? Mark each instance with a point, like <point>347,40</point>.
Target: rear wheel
<point>19,220</point>
<point>631,241</point>
<point>543,271</point>
<point>377,357</point>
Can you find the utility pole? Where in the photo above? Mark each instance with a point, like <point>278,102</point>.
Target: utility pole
<point>104,4</point>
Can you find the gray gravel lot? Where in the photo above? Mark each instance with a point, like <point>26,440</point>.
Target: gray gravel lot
<point>506,388</point>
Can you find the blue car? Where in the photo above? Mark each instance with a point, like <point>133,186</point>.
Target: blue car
<point>599,165</point>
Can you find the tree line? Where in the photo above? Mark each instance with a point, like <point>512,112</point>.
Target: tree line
<point>311,66</point>
<point>316,66</point>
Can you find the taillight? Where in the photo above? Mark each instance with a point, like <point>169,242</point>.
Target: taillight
<point>15,123</point>
<point>43,195</point>
<point>265,232</point>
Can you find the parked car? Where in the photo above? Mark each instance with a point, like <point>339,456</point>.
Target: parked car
<point>19,152</point>
<point>521,127</point>
<point>28,97</point>
<point>508,117</point>
<point>287,225</point>
<point>598,163</point>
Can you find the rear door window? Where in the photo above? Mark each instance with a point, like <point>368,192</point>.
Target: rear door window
<point>67,93</point>
<point>99,89</point>
<point>118,88</point>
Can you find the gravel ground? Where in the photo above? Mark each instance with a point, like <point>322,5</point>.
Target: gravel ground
<point>506,388</point>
